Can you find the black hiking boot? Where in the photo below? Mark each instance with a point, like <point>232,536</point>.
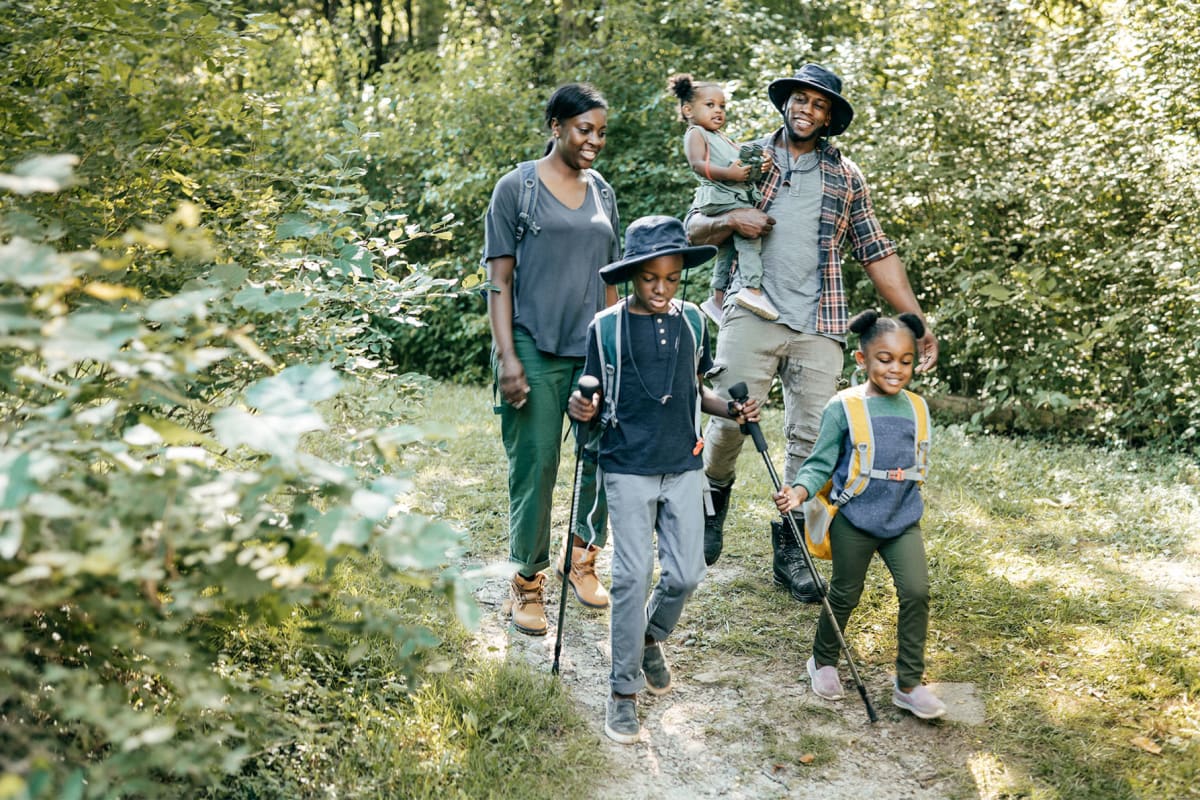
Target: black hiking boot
<point>790,570</point>
<point>714,526</point>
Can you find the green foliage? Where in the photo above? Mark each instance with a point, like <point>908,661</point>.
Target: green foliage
<point>1028,161</point>
<point>157,503</point>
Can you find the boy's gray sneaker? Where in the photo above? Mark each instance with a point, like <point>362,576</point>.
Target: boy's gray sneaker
<point>921,701</point>
<point>621,721</point>
<point>654,667</point>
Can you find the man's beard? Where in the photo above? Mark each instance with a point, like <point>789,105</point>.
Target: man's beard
<point>796,138</point>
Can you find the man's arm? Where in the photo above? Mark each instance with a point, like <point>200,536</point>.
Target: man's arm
<point>891,281</point>
<point>750,223</point>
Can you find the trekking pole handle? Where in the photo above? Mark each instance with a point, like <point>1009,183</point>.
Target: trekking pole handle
<point>741,394</point>
<point>588,386</point>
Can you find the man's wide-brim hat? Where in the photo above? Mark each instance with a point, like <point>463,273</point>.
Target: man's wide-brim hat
<point>648,238</point>
<point>814,76</point>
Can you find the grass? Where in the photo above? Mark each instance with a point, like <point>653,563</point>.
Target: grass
<point>1047,567</point>
<point>1042,560</point>
<point>461,726</point>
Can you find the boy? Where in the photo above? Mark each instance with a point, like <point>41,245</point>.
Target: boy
<point>649,352</point>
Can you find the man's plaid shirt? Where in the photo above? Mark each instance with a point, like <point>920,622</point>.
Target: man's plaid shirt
<point>846,213</point>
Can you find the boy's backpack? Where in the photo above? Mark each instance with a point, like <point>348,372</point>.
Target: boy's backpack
<point>609,326</point>
<point>820,509</point>
<point>529,192</point>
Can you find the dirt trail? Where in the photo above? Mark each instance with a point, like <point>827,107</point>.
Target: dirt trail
<point>735,728</point>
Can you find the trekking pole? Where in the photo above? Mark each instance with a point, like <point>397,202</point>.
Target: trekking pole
<point>740,394</point>
<point>588,386</point>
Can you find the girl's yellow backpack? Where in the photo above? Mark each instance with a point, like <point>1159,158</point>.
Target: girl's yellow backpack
<point>820,509</point>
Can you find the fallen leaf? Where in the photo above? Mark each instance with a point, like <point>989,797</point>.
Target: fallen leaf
<point>1146,744</point>
<point>807,758</point>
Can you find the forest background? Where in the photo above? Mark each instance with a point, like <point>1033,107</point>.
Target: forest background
<point>219,220</point>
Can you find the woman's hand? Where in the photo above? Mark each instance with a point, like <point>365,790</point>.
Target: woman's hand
<point>789,498</point>
<point>513,386</point>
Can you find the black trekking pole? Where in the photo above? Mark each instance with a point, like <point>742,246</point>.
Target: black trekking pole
<point>740,394</point>
<point>588,386</point>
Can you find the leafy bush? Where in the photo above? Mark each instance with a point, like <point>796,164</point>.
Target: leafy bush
<point>142,523</point>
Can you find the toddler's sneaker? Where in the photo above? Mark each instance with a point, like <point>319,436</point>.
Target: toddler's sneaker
<point>921,701</point>
<point>654,667</point>
<point>825,681</point>
<point>758,304</point>
<point>711,310</point>
<point>621,721</point>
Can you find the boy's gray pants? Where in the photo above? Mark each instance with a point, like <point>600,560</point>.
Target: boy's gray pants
<point>637,506</point>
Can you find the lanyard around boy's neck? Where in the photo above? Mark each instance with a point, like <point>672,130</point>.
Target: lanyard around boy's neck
<point>670,380</point>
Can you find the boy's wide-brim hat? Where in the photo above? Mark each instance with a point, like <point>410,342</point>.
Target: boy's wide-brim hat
<point>814,76</point>
<point>647,238</point>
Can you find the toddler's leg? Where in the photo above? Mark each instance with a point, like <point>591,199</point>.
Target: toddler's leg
<point>750,268</point>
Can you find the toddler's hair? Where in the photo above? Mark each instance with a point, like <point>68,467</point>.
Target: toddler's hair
<point>684,87</point>
<point>870,324</point>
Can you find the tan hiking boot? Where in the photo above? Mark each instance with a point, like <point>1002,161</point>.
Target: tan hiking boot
<point>527,604</point>
<point>587,587</point>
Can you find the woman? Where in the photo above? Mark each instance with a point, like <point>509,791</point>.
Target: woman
<point>544,247</point>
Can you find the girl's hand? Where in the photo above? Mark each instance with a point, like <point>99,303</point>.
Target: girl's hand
<point>513,386</point>
<point>580,409</point>
<point>789,498</point>
<point>741,171</point>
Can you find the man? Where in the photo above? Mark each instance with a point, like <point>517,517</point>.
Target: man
<point>818,201</point>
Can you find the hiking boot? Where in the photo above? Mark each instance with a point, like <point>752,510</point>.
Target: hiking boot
<point>711,310</point>
<point>714,526</point>
<point>654,667</point>
<point>757,304</point>
<point>825,681</point>
<point>621,721</point>
<point>921,701</point>
<point>527,604</point>
<point>790,570</point>
<point>587,587</point>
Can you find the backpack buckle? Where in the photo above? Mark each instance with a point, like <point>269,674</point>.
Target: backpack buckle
<point>895,474</point>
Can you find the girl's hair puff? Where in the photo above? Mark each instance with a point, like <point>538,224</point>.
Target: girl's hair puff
<point>684,87</point>
<point>870,324</point>
<point>571,100</point>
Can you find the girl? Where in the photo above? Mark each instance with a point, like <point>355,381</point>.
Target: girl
<point>884,518</point>
<point>550,227</point>
<point>725,184</point>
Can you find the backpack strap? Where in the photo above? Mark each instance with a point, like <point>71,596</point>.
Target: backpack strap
<point>607,201</point>
<point>608,335</point>
<point>528,201</point>
<point>862,459</point>
<point>920,465</point>
<point>695,325</point>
